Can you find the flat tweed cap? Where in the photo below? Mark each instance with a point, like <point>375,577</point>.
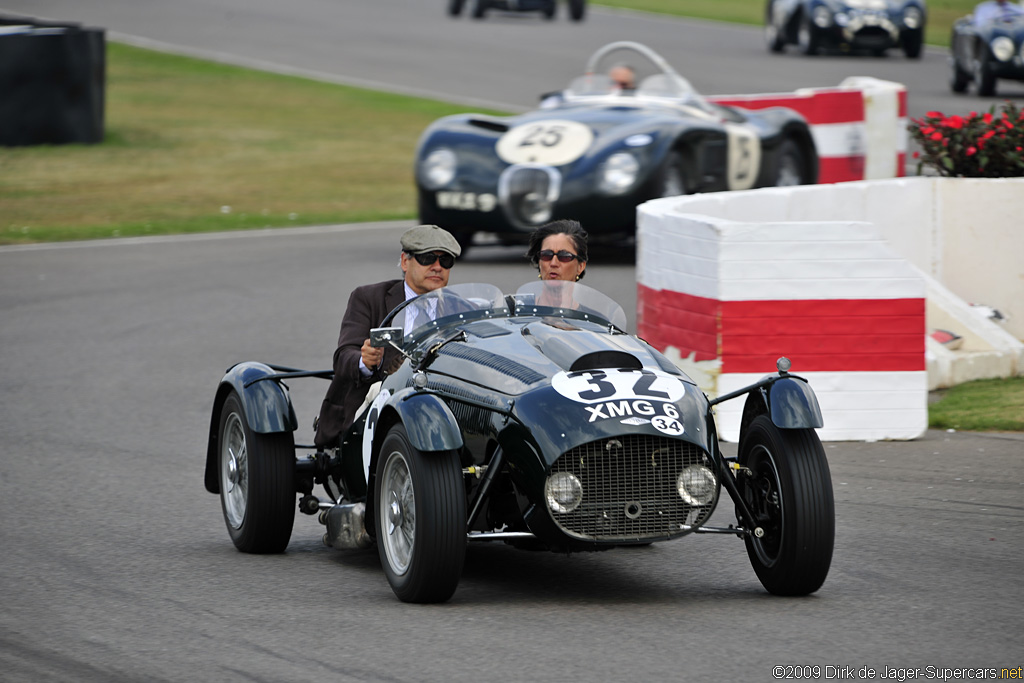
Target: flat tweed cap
<point>429,238</point>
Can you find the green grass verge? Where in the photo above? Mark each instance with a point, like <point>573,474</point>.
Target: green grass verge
<point>941,13</point>
<point>194,146</point>
<point>988,405</point>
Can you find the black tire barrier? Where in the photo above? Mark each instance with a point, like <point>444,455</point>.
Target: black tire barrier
<point>52,82</point>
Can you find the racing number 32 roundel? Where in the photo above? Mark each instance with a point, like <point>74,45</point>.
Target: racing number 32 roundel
<point>632,396</point>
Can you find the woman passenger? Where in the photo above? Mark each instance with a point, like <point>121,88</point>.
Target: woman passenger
<point>559,250</point>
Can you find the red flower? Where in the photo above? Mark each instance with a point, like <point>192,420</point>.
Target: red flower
<point>934,114</point>
<point>927,131</point>
<point>936,136</point>
<point>956,122</point>
<point>971,151</point>
<point>989,134</point>
<point>987,118</point>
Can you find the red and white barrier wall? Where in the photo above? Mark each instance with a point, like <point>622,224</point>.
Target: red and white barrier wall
<point>725,299</point>
<point>859,127</point>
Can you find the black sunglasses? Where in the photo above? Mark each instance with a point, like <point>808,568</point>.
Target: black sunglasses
<point>563,256</point>
<point>428,258</point>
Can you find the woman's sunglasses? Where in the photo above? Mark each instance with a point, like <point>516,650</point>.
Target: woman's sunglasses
<point>563,256</point>
<point>427,259</point>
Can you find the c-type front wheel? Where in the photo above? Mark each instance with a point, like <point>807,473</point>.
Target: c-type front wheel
<point>788,487</point>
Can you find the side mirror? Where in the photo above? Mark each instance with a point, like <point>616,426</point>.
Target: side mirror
<point>386,336</point>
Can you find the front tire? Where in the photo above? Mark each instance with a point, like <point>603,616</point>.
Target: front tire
<point>789,491</point>
<point>984,77</point>
<point>479,9</point>
<point>792,169</point>
<point>577,9</point>
<point>807,37</point>
<point>420,511</point>
<point>550,10</point>
<point>257,482</point>
<point>672,177</point>
<point>455,7</point>
<point>773,36</point>
<point>960,78</point>
<point>913,41</point>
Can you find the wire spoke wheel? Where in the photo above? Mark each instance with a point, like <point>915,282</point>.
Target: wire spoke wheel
<point>256,474</point>
<point>420,519</point>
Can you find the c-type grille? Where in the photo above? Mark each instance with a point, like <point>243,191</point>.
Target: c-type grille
<point>630,489</point>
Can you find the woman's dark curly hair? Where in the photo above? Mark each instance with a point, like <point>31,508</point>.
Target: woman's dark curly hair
<point>571,229</point>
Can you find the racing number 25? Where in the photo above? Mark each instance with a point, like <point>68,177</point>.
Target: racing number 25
<point>544,135</point>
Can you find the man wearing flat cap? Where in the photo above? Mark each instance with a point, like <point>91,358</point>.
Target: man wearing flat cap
<point>428,254</point>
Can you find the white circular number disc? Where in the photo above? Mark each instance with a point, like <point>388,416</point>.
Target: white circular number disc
<point>553,142</point>
<point>595,386</point>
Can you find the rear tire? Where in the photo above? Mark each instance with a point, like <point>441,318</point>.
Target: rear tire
<point>455,7</point>
<point>577,9</point>
<point>420,519</point>
<point>257,482</point>
<point>479,9</point>
<point>790,494</point>
<point>550,10</point>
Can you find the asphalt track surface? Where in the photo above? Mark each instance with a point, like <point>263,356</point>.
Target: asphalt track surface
<point>115,564</point>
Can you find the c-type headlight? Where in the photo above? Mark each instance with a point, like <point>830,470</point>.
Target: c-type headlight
<point>912,17</point>
<point>618,173</point>
<point>1002,48</point>
<point>438,168</point>
<point>822,16</point>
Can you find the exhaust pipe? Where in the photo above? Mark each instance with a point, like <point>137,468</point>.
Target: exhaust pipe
<point>346,527</point>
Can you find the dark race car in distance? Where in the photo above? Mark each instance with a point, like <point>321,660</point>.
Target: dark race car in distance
<point>873,25</point>
<point>577,8</point>
<point>594,152</point>
<point>986,46</point>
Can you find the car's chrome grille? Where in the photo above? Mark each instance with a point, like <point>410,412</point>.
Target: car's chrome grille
<point>630,490</point>
<point>528,192</point>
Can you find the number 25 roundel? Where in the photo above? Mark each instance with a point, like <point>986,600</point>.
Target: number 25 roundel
<point>593,386</point>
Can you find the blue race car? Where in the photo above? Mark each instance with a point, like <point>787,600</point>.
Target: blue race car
<point>987,45</point>
<point>872,25</point>
<point>577,8</point>
<point>595,151</point>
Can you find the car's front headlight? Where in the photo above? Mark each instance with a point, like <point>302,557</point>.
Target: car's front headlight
<point>696,485</point>
<point>438,168</point>
<point>1002,48</point>
<point>912,17</point>
<point>618,173</point>
<point>822,16</point>
<point>563,492</point>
